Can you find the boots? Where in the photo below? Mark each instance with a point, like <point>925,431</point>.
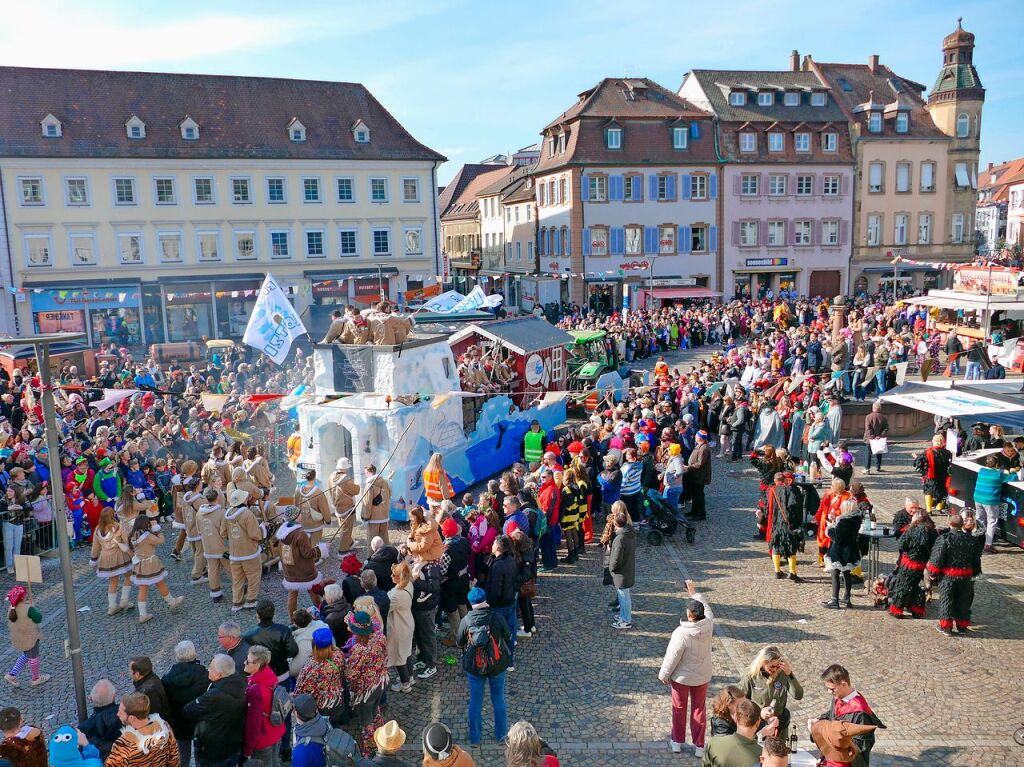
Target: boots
<point>144,616</point>
<point>113,608</point>
<point>173,602</point>
<point>125,594</point>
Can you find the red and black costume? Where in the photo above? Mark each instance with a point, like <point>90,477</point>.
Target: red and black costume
<point>954,562</point>
<point>766,470</point>
<point>785,520</point>
<point>933,464</point>
<point>905,592</point>
<point>855,709</point>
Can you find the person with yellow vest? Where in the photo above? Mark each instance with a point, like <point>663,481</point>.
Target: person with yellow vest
<point>534,443</point>
<point>436,484</point>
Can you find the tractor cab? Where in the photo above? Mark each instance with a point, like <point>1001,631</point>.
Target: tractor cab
<point>592,354</point>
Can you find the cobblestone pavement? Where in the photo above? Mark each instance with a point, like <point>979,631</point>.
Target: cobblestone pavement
<point>593,691</point>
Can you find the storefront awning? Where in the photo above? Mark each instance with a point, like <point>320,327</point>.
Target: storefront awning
<point>976,401</point>
<point>942,302</point>
<point>684,292</point>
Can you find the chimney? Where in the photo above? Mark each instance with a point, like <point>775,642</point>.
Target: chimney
<point>990,166</point>
<point>873,62</point>
<point>794,61</point>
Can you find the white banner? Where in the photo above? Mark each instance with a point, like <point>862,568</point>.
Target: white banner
<point>274,323</point>
<point>111,397</point>
<point>443,303</point>
<point>477,299</point>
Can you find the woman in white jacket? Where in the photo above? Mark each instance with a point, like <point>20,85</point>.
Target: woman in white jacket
<point>305,625</point>
<point>687,669</point>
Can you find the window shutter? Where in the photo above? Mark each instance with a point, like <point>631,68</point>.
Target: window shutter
<point>712,239</point>
<point>538,188</point>
<point>617,185</point>
<point>713,186</point>
<point>684,243</point>
<point>584,187</point>
<point>762,187</point>
<point>618,240</point>
<point>651,239</point>
<point>671,186</point>
<point>844,232</point>
<point>654,186</point>
<point>684,187</point>
<point>586,242</point>
<point>637,187</point>
<point>556,243</point>
<point>843,184</point>
<point>737,184</point>
<point>735,232</point>
<point>694,130</point>
<point>568,242</point>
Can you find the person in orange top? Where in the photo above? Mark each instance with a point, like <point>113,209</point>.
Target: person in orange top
<point>828,510</point>
<point>436,484</point>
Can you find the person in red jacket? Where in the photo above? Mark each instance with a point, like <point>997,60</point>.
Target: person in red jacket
<point>549,500</point>
<point>261,739</point>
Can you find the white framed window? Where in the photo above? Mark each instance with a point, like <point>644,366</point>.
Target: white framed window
<point>791,99</point>
<point>315,243</point>
<point>927,177</point>
<point>634,240</point>
<point>749,184</point>
<point>280,244</point>
<point>412,240</point>
<point>598,188</point>
<point>698,239</point>
<point>208,246</point>
<point>76,191</point>
<point>82,247</point>
<point>381,236</point>
<point>135,128</point>
<point>829,142</point>
<point>776,185</point>
<point>748,142</point>
<point>563,194</point>
<point>902,177</point>
<point>362,136</point>
<point>829,232</point>
<point>551,146</point>
<point>519,251</point>
<point>776,141</point>
<point>748,234</point>
<point>698,187</point>
<point>411,191</point>
<point>960,177</point>
<point>129,248</point>
<point>830,185</point>
<point>957,227</point>
<point>876,177</point>
<point>924,229</point>
<point>802,232</point>
<point>348,243</point>
<point>530,251</point>
<point>124,191</point>
<point>165,194</point>
<point>311,189</point>
<point>202,190</point>
<point>168,245</point>
<point>900,229</point>
<point>902,122</point>
<point>804,185</point>
<point>241,193</point>
<point>598,240</point>
<point>613,136</point>
<point>346,189</point>
<point>666,240</point>
<point>874,233</point>
<point>663,187</point>
<point>737,98</point>
<point>680,137</point>
<point>31,190</point>
<point>378,190</point>
<point>875,122</point>
<point>963,125</point>
<point>765,99</point>
<point>776,233</point>
<point>51,126</point>
<point>802,142</point>
<point>561,143</point>
<point>245,244</point>
<point>276,191</point>
<point>38,251</point>
<point>296,131</point>
<point>529,212</point>
<point>818,99</point>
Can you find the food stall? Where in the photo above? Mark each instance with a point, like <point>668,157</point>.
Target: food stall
<point>983,299</point>
<point>22,356</point>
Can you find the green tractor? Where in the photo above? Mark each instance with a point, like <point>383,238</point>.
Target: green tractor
<point>591,355</point>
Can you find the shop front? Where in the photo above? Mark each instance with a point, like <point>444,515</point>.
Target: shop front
<point>539,291</point>
<point>207,309</point>
<point>683,291</point>
<point>360,287</point>
<point>106,315</point>
<point>905,281</point>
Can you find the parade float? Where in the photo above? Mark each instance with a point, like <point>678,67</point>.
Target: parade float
<point>394,406</point>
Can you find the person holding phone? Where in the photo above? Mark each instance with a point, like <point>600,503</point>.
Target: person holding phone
<point>769,682</point>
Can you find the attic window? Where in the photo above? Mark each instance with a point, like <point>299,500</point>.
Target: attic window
<point>135,128</point>
<point>817,99</point>
<point>765,99</point>
<point>902,122</point>
<point>737,98</point>
<point>875,122</point>
<point>51,127</point>
<point>296,131</point>
<point>791,99</point>
<point>613,138</point>
<point>361,133</point>
<point>561,143</point>
<point>844,85</point>
<point>189,129</point>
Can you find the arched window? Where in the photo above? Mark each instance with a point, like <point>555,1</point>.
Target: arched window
<point>963,125</point>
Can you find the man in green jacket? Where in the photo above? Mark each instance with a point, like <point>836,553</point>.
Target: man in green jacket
<point>741,748</point>
<point>107,483</point>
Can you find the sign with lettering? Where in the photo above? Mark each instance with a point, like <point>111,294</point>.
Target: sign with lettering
<point>997,281</point>
<point>767,262</point>
<point>645,264</point>
<point>353,368</point>
<point>58,322</point>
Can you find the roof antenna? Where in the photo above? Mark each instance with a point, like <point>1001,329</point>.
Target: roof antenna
<point>629,71</point>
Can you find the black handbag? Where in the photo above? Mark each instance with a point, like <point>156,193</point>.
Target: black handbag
<point>606,578</point>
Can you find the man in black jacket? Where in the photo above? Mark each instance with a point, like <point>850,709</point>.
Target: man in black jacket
<point>103,727</point>
<point>382,557</point>
<point>140,669</point>
<point>622,566</point>
<point>503,588</point>
<point>275,637</point>
<point>455,576</point>
<point>229,637</point>
<point>425,598</point>
<point>482,615</point>
<point>219,715</point>
<point>185,681</point>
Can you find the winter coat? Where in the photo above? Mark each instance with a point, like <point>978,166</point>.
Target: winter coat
<point>219,718</point>
<point>844,550</point>
<point>298,558</point>
<point>259,697</point>
<point>503,581</point>
<point>777,689</point>
<point>699,466</point>
<point>380,562</point>
<point>333,615</point>
<point>151,686</point>
<point>377,513</point>
<point>425,541</point>
<point>400,625</point>
<point>103,728</point>
<point>279,640</point>
<point>25,630</point>
<point>304,641</point>
<point>152,745</point>
<point>688,656</point>
<point>622,558</point>
<point>183,684</point>
<point>427,588</point>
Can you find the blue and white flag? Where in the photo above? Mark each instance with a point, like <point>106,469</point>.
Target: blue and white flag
<point>477,299</point>
<point>274,323</point>
<point>443,303</point>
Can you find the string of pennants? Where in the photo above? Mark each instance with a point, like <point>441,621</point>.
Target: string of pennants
<point>951,266</point>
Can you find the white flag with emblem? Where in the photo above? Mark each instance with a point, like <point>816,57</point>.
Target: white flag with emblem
<point>274,323</point>
<point>477,299</point>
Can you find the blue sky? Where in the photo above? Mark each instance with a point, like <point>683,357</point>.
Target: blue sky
<point>472,78</point>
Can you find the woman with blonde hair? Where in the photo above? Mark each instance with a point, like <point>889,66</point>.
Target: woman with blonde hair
<point>524,747</point>
<point>843,553</point>
<point>770,682</point>
<point>436,484</point>
<point>400,627</point>
<point>111,555</point>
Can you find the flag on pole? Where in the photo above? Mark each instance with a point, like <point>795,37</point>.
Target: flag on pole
<point>477,300</point>
<point>443,303</point>
<point>274,323</point>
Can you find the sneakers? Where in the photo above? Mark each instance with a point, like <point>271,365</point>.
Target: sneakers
<point>989,549</point>
<point>419,665</point>
<point>175,602</point>
<point>407,687</point>
<point>427,673</point>
<point>395,686</point>
<point>43,679</point>
<point>145,618</point>
<point>201,579</point>
<point>698,752</point>
<point>510,669</point>
<point>621,625</point>
<point>520,634</point>
<point>249,605</point>
<point>12,680</point>
<point>237,608</point>
<point>677,748</point>
<point>832,604</point>
<point>944,632</point>
<point>176,556</point>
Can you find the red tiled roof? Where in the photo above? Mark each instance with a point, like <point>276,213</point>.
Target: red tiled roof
<point>1006,173</point>
<point>466,204</point>
<point>238,117</point>
<point>611,98</point>
<point>728,132</point>
<point>462,178</point>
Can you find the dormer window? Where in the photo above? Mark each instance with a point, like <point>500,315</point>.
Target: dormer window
<point>551,146</point>
<point>51,127</point>
<point>361,133</point>
<point>748,142</point>
<point>902,122</point>
<point>737,99</point>
<point>189,129</point>
<point>680,136</point>
<point>561,143</point>
<point>613,138</point>
<point>818,99</point>
<point>829,142</point>
<point>765,99</point>
<point>296,131</point>
<point>135,128</point>
<point>875,122</point>
<point>791,99</point>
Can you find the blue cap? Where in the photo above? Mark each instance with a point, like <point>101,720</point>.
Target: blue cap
<point>477,595</point>
<point>323,638</point>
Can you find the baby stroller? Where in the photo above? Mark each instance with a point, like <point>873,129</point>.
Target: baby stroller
<point>665,520</point>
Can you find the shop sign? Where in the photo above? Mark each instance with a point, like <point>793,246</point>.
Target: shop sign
<point>554,266</point>
<point>61,322</point>
<point>677,282</point>
<point>630,265</point>
<point>419,294</point>
<point>446,268</point>
<point>767,262</point>
<point>534,369</point>
<point>1003,282</point>
<point>106,298</point>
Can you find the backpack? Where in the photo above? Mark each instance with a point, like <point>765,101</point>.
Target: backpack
<point>538,523</point>
<point>339,748</point>
<point>485,655</point>
<point>280,706</point>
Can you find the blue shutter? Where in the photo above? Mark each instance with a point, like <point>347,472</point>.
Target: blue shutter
<point>685,242</point>
<point>638,187</point>
<point>654,186</point>
<point>713,186</point>
<point>712,239</point>
<point>556,242</point>
<point>615,187</point>
<point>694,130</point>
<point>584,187</point>
<point>671,186</point>
<point>568,242</point>
<point>586,242</point>
<point>684,184</point>
<point>650,239</point>
<point>618,240</point>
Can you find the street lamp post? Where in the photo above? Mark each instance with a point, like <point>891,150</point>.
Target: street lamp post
<point>42,345</point>
<point>380,282</point>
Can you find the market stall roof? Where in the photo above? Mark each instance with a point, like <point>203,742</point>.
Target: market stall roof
<point>523,335</point>
<point>19,351</point>
<point>954,299</point>
<point>994,402</point>
<point>685,292</point>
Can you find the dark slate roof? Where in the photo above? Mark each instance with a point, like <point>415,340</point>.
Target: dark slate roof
<point>518,191</point>
<point>238,117</point>
<point>466,204</point>
<point>455,187</point>
<point>716,84</point>
<point>524,334</point>
<point>628,97</point>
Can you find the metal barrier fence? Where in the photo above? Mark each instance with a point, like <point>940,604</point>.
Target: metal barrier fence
<point>38,537</point>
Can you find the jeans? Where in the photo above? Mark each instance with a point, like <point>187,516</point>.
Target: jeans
<point>423,633</point>
<point>988,519</point>
<point>696,696</point>
<point>954,366</point>
<point>671,496</point>
<point>269,756</point>
<point>12,543</point>
<point>625,605</point>
<point>868,456</point>
<point>476,706</point>
<point>509,614</point>
<point>549,550</point>
<point>973,371</point>
<point>880,382</point>
<point>184,752</point>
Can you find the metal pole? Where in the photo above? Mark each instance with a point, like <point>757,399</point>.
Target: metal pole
<point>59,517</point>
<point>987,329</point>
<point>380,282</point>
